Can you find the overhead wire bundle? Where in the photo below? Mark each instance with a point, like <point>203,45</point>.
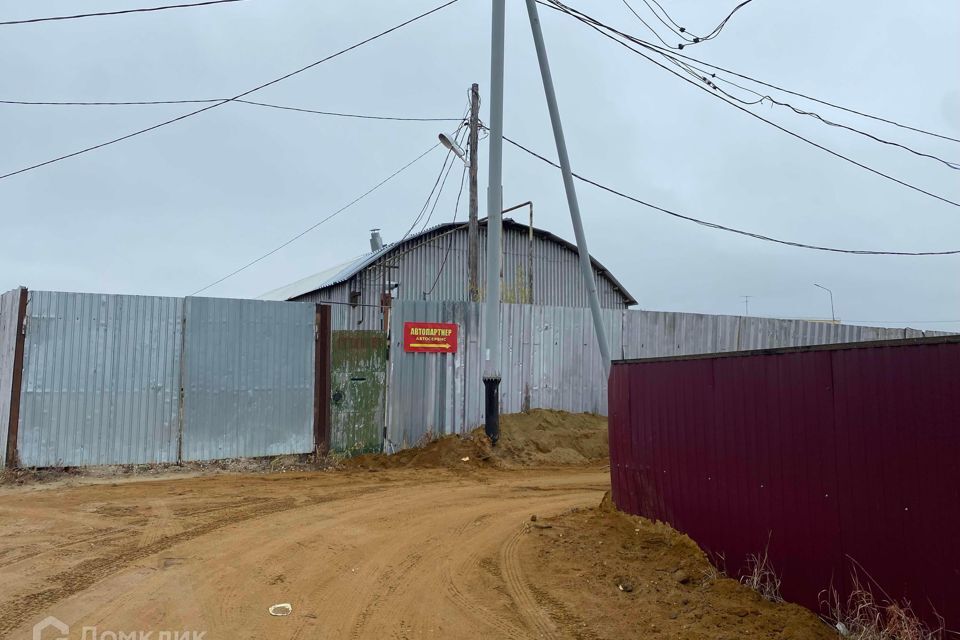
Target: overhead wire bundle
<point>720,227</point>
<point>698,72</point>
<point>119,12</point>
<point>676,56</point>
<point>435,192</point>
<point>319,223</point>
<point>710,78</point>
<point>639,46</point>
<point>680,31</point>
<point>237,97</point>
<point>446,254</point>
<point>619,37</point>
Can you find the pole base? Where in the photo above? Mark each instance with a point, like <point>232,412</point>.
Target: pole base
<point>491,387</point>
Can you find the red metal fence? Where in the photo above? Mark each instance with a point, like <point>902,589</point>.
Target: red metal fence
<point>839,459</point>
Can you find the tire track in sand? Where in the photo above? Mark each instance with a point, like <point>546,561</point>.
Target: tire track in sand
<point>470,606</point>
<point>82,576</point>
<point>391,579</point>
<point>351,567</point>
<point>473,607</point>
<point>526,604</point>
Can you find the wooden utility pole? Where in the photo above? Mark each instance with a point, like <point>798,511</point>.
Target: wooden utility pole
<point>473,229</point>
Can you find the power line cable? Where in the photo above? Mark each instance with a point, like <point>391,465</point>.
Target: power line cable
<point>679,30</point>
<point>674,22</point>
<point>236,97</point>
<point>396,256</point>
<point>705,223</point>
<point>314,226</point>
<point>116,13</point>
<point>108,104</point>
<point>436,200</point>
<point>439,182</point>
<point>674,28</point>
<point>426,204</point>
<point>723,23</point>
<point>637,40</point>
<point>708,78</point>
<point>713,225</point>
<point>349,115</point>
<point>698,73</point>
<point>883,119</point>
<point>817,100</point>
<point>647,25</point>
<point>770,85</point>
<point>599,28</point>
<point>459,140</point>
<point>456,208</point>
<point>338,114</point>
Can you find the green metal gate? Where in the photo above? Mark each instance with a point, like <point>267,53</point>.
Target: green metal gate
<point>358,391</point>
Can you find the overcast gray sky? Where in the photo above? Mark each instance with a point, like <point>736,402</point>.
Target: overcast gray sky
<point>169,212</point>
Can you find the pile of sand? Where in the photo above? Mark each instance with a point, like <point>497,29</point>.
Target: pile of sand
<point>456,452</point>
<point>622,576</point>
<point>540,438</point>
<point>551,438</point>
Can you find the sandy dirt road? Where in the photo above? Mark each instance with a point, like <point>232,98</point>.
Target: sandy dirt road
<point>393,554</point>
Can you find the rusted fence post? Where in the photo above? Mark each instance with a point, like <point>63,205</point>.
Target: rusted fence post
<point>321,384</point>
<point>13,428</point>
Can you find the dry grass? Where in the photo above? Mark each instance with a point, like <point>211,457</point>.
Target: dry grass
<point>761,577</point>
<point>335,459</point>
<point>864,617</point>
<point>716,569</point>
<point>267,464</point>
<point>426,438</point>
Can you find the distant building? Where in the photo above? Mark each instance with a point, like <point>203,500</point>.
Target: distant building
<point>538,268</point>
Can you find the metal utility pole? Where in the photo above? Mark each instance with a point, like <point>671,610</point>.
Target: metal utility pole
<point>528,298</point>
<point>473,229</point>
<point>491,369</point>
<point>833,314</point>
<point>586,268</point>
<point>746,305</point>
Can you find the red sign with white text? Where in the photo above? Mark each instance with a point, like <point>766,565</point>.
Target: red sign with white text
<point>430,337</point>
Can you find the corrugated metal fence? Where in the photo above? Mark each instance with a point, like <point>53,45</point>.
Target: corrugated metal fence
<point>836,460</point>
<point>133,379</point>
<point>100,380</point>
<point>550,359</point>
<point>111,379</point>
<point>248,376</point>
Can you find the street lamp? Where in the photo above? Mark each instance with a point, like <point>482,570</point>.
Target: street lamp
<point>451,144</point>
<point>833,315</point>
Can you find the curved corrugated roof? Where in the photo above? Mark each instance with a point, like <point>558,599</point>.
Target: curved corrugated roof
<point>345,271</point>
<point>323,279</point>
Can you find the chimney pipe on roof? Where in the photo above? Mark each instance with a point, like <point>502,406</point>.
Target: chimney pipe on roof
<point>376,242</point>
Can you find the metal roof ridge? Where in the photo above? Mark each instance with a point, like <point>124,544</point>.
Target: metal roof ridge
<point>345,271</point>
